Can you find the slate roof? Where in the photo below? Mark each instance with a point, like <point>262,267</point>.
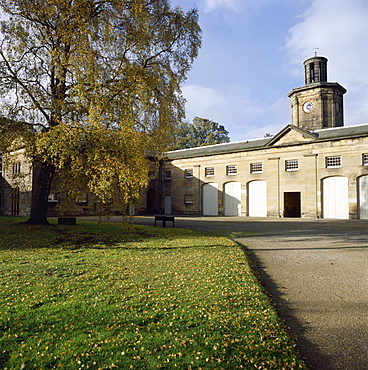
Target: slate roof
<point>200,151</point>
<point>336,133</point>
<point>342,132</point>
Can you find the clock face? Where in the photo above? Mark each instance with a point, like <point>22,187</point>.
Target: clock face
<point>308,107</point>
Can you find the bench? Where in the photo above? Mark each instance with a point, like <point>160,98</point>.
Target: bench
<point>164,219</point>
<point>67,221</point>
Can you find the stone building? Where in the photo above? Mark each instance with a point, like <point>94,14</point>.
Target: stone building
<point>16,176</point>
<point>314,167</point>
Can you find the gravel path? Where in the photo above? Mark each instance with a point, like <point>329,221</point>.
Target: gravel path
<point>319,283</point>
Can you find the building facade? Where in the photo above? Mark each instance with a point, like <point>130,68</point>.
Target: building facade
<point>16,176</point>
<point>315,167</point>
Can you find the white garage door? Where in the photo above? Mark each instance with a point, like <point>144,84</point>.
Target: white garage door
<point>363,197</point>
<point>257,199</point>
<point>210,199</point>
<point>335,197</point>
<point>232,199</point>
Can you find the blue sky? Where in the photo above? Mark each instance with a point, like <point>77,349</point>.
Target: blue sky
<point>252,55</point>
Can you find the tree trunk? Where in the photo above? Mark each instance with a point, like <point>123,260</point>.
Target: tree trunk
<point>43,176</point>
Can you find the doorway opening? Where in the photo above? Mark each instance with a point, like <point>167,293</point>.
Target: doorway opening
<point>292,204</point>
<point>152,201</point>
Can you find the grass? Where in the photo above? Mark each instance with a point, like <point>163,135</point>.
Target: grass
<point>132,297</point>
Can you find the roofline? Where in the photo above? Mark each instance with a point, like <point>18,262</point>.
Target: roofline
<point>265,146</point>
<point>338,128</point>
<point>317,84</point>
<point>213,145</point>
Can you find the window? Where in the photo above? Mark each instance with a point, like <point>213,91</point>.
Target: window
<point>167,175</point>
<point>292,165</point>
<point>209,171</point>
<point>15,195</point>
<point>188,173</point>
<point>16,168</point>
<point>231,170</point>
<point>332,162</point>
<point>188,199</point>
<point>256,168</point>
<point>53,197</point>
<point>312,72</point>
<point>365,159</point>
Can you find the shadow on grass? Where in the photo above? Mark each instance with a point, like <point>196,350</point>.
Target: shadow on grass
<point>93,235</point>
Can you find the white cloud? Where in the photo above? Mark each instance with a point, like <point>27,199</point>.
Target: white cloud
<point>244,117</point>
<point>228,107</point>
<point>339,29</point>
<point>204,102</point>
<point>258,132</point>
<point>211,5</point>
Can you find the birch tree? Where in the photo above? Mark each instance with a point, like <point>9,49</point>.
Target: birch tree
<point>90,88</point>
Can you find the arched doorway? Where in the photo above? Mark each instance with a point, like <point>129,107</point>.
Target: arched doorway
<point>232,199</point>
<point>152,201</point>
<point>210,199</point>
<point>363,197</point>
<point>257,198</point>
<point>335,197</point>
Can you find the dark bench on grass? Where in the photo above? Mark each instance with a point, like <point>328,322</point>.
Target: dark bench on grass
<point>67,221</point>
<point>164,219</point>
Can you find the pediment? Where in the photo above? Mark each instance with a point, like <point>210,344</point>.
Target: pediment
<point>292,135</point>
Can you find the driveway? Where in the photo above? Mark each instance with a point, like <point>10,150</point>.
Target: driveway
<point>316,273</point>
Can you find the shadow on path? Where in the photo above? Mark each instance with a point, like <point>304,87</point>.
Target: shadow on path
<point>308,350</point>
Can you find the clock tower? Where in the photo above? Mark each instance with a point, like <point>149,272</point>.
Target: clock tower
<point>318,104</point>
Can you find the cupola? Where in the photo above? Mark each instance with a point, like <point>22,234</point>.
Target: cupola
<point>318,104</point>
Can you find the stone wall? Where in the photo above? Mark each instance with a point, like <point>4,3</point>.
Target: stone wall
<point>307,179</point>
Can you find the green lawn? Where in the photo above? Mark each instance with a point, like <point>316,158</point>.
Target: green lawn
<point>132,297</point>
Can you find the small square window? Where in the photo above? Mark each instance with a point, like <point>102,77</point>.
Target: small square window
<point>209,171</point>
<point>332,162</point>
<point>188,173</point>
<point>231,170</point>
<point>53,198</point>
<point>167,175</point>
<point>188,199</point>
<point>256,168</point>
<point>365,159</point>
<point>292,165</point>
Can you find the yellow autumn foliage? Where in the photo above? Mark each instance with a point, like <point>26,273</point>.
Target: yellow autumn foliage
<point>93,87</point>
